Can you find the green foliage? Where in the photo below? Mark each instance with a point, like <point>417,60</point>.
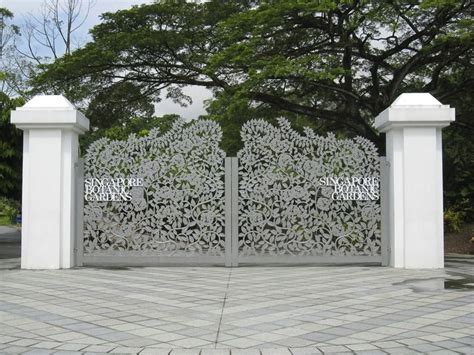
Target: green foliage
<point>458,144</point>
<point>453,220</point>
<point>9,209</point>
<point>137,125</point>
<point>10,150</point>
<point>334,64</point>
<point>117,104</point>
<point>459,171</point>
<point>339,63</point>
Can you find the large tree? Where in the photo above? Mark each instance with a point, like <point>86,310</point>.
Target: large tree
<point>334,64</point>
<point>10,149</point>
<point>337,62</point>
<point>41,39</point>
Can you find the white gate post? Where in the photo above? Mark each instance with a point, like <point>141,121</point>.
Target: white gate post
<point>413,126</point>
<point>51,125</point>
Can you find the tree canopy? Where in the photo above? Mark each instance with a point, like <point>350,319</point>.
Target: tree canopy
<point>10,149</point>
<point>338,63</point>
<point>332,64</point>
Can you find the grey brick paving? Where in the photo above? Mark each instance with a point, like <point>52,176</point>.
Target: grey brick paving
<point>267,310</point>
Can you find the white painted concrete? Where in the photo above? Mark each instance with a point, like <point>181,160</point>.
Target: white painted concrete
<point>413,126</point>
<point>51,127</point>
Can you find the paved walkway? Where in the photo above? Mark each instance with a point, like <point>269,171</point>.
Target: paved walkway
<point>246,310</point>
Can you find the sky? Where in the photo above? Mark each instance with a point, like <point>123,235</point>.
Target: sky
<point>22,8</point>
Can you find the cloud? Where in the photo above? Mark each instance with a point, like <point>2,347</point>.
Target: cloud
<point>198,94</point>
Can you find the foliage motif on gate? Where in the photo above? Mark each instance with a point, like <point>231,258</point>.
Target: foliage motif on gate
<point>283,207</point>
<point>179,210</point>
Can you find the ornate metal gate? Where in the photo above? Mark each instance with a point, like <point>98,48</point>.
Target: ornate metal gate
<point>287,198</point>
<point>306,198</point>
<point>156,198</point>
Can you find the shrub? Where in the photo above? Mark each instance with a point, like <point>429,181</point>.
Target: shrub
<point>9,208</point>
<point>453,220</point>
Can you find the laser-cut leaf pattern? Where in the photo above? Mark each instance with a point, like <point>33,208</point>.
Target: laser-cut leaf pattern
<point>180,209</point>
<point>283,210</point>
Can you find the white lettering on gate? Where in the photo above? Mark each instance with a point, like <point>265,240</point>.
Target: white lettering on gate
<point>110,189</point>
<point>358,188</point>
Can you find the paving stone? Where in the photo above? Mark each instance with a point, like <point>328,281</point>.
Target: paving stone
<point>266,308</point>
<point>386,344</point>
<point>333,349</point>
<point>466,340</point>
<point>245,352</point>
<point>65,337</point>
<point>464,350</point>
<point>15,350</point>
<point>268,337</point>
<point>339,331</point>
<point>294,342</point>
<point>317,336</point>
<point>369,336</point>
<point>361,347</point>
<point>71,347</point>
<point>425,348</point>
<point>185,352</point>
<point>305,351</point>
<point>215,352</point>
<point>24,342</point>
<point>127,350</point>
<point>89,341</point>
<point>402,351</point>
<point>189,343</point>
<point>47,345</point>
<point>155,351</point>
<point>99,348</point>
<point>39,352</point>
<point>275,351</point>
<point>411,341</point>
<point>442,352</point>
<point>137,342</point>
<point>241,343</point>
<point>115,336</point>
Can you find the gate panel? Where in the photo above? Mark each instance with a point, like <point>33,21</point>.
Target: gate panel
<point>156,198</point>
<point>307,198</point>
<point>288,198</point>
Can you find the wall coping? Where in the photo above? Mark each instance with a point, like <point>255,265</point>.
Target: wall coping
<point>49,112</point>
<point>415,110</point>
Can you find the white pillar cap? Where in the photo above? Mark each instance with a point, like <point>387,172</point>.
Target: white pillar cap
<point>414,110</point>
<point>49,112</point>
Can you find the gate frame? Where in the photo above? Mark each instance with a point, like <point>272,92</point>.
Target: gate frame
<point>231,256</point>
<point>382,259</point>
<point>231,211</point>
<point>384,211</point>
<point>79,222</point>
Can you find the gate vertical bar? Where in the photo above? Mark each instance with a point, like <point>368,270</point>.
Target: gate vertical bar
<point>79,227</point>
<point>384,209</point>
<point>228,211</point>
<point>235,212</point>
